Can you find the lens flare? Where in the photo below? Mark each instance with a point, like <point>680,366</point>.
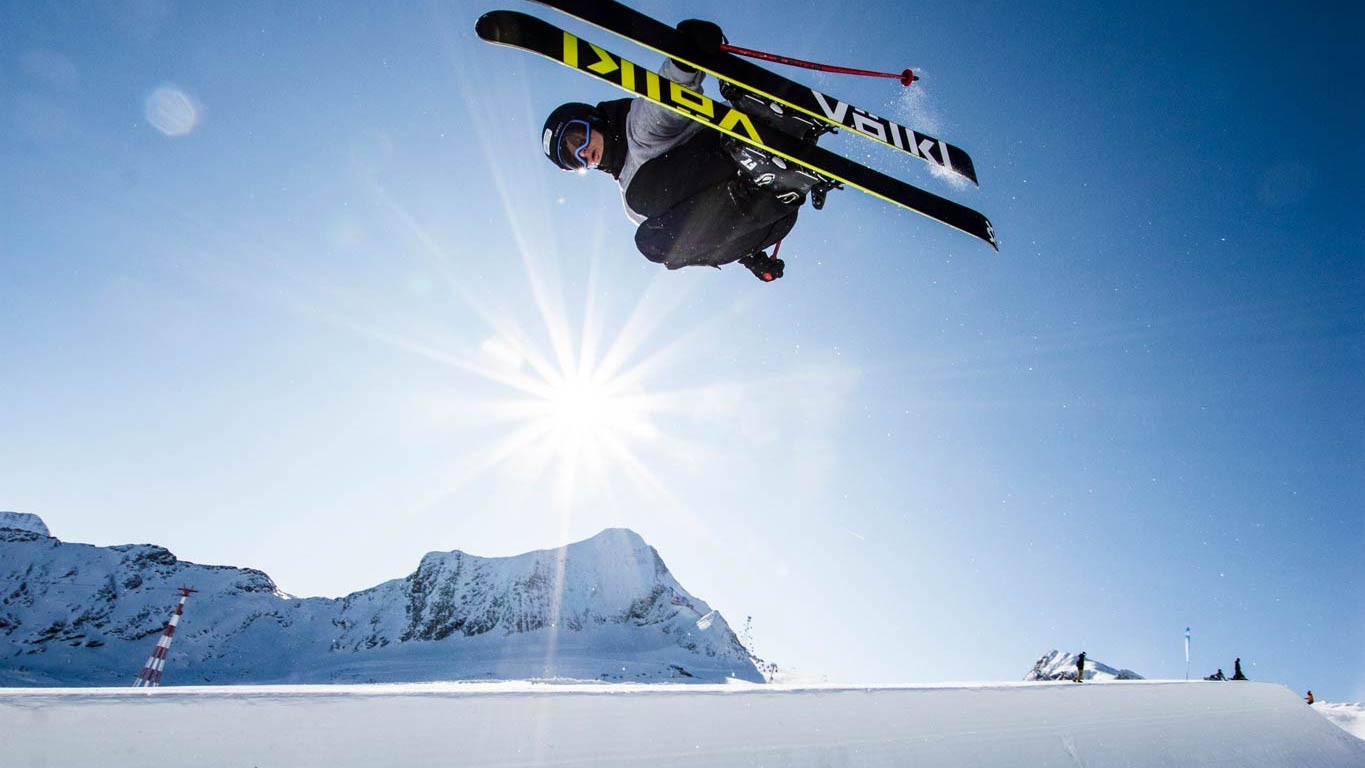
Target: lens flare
<point>171,111</point>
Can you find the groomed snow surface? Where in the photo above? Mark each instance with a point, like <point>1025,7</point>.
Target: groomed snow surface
<point>1138,723</point>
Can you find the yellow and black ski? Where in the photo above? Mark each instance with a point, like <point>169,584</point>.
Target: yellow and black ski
<point>529,33</point>
<point>651,33</point>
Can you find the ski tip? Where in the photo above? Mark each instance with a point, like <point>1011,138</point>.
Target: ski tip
<point>487,26</point>
<point>501,26</point>
<point>490,25</point>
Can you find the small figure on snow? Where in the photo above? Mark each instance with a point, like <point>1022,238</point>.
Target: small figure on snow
<point>1237,670</point>
<point>1080,667</point>
<point>1309,698</point>
<point>1216,675</point>
<point>682,183</point>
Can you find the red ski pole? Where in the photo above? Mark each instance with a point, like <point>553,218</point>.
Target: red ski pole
<point>907,77</point>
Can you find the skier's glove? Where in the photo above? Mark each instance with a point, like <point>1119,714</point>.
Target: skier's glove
<point>705,35</point>
<point>764,267</point>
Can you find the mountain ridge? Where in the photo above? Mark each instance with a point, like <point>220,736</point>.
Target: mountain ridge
<point>605,608</point>
<point>1056,665</point>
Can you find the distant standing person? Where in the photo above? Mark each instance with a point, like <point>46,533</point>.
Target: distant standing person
<point>1237,669</point>
<point>1080,667</point>
<point>1309,698</point>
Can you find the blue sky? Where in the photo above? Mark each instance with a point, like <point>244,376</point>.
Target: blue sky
<point>299,327</point>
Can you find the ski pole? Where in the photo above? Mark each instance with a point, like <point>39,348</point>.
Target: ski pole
<point>907,77</point>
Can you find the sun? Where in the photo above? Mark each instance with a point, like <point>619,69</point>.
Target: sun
<point>583,423</point>
<point>579,392</point>
<point>572,407</point>
<point>591,423</point>
<point>576,405</point>
<point>581,408</point>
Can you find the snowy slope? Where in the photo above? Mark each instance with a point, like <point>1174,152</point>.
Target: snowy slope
<point>1136,724</point>
<point>605,608</point>
<point>1348,717</point>
<point>1055,665</point>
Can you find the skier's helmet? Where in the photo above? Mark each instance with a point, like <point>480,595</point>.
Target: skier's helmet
<point>567,132</point>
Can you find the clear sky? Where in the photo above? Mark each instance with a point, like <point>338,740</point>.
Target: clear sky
<point>290,286</point>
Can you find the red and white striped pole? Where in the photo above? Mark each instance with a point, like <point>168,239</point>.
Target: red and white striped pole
<point>150,676</point>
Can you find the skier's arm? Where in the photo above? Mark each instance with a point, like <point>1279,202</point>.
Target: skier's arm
<point>652,128</point>
<point>650,124</point>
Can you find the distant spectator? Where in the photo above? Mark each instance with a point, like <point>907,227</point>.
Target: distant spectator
<point>1237,670</point>
<point>1309,698</point>
<point>1080,667</point>
<point>1216,675</point>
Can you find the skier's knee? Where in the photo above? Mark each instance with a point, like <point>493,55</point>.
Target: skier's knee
<point>656,257</point>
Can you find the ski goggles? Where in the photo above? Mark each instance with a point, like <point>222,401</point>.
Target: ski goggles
<point>575,153</point>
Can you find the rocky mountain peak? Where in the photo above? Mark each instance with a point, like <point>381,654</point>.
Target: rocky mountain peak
<point>602,608</point>
<point>1056,665</point>
<point>22,521</point>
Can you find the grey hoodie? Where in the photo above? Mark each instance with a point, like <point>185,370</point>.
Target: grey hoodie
<point>652,130</point>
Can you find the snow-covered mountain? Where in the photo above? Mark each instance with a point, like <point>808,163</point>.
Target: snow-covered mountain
<point>606,608</point>
<point>1055,665</point>
<point>22,521</point>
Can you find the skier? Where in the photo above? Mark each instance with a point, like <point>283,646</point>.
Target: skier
<point>1216,675</point>
<point>679,180</point>
<point>770,127</point>
<point>1237,670</point>
<point>1080,667</point>
<point>1309,698</point>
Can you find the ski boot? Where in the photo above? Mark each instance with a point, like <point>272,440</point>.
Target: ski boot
<point>786,181</point>
<point>803,128</point>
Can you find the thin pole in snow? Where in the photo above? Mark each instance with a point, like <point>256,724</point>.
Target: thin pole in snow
<point>1187,653</point>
